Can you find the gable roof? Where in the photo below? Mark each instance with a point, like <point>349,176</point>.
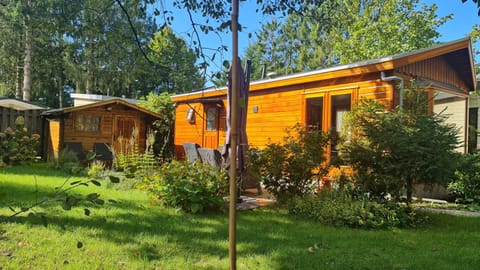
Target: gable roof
<point>58,112</point>
<point>20,105</point>
<point>457,52</point>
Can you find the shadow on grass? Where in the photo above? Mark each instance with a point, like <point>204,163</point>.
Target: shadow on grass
<point>265,236</point>
<point>134,225</point>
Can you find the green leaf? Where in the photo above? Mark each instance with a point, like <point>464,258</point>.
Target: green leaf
<point>43,219</point>
<point>99,201</point>
<point>92,196</point>
<point>196,208</point>
<point>112,201</point>
<point>66,206</point>
<point>91,156</point>
<point>114,179</point>
<point>95,182</point>
<point>226,64</point>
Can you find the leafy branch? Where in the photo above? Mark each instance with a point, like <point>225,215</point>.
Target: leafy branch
<point>63,196</point>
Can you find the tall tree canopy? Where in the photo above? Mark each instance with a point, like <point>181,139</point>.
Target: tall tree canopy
<point>343,32</point>
<point>177,72</point>
<point>54,47</point>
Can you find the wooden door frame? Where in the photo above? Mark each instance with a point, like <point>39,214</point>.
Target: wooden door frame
<point>217,123</point>
<point>115,126</point>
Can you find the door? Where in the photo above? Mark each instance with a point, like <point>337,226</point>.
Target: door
<point>210,137</point>
<point>326,112</point>
<point>339,106</point>
<point>125,134</point>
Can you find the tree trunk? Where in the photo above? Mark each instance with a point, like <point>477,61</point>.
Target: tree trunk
<point>60,89</point>
<point>409,189</point>
<point>90,65</point>
<point>18,80</point>
<point>27,64</point>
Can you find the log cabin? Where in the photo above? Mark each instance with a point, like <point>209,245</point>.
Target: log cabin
<point>96,126</point>
<point>319,98</point>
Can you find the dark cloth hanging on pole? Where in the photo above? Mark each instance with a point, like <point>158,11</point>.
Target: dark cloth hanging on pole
<point>242,97</point>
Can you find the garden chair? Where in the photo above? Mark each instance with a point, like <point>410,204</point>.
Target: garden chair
<point>75,147</point>
<point>211,156</point>
<point>191,151</point>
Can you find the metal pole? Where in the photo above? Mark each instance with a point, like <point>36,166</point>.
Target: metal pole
<point>233,141</point>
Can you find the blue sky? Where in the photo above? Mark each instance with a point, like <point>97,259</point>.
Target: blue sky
<point>464,17</point>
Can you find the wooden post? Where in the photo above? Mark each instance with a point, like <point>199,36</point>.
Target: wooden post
<point>233,141</point>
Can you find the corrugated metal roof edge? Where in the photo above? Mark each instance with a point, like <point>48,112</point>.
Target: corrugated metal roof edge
<point>335,68</point>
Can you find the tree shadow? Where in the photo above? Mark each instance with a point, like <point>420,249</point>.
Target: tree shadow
<point>267,232</point>
<point>195,236</point>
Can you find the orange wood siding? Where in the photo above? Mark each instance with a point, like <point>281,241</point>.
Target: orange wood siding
<point>279,109</point>
<point>282,102</point>
<point>54,139</point>
<point>186,131</point>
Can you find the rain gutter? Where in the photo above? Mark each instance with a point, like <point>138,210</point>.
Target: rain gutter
<point>391,78</point>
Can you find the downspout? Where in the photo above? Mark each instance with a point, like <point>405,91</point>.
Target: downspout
<point>391,78</point>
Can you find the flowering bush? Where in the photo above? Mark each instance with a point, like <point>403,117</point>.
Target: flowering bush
<point>17,147</point>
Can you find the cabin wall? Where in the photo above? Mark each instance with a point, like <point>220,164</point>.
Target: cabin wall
<point>455,109</point>
<point>474,117</point>
<point>53,139</point>
<point>272,112</point>
<point>108,117</point>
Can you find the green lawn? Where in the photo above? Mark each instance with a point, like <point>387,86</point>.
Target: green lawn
<point>133,234</point>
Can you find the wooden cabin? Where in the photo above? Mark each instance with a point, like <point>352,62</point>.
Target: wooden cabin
<point>319,98</point>
<point>96,127</point>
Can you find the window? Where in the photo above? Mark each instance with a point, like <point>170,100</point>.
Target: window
<point>211,118</point>
<point>314,113</point>
<point>87,123</point>
<point>340,105</point>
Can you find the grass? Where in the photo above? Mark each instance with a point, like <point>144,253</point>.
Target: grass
<point>134,234</point>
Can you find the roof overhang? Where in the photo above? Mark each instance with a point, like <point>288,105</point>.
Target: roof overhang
<point>20,105</point>
<point>461,47</point>
<point>59,112</point>
<point>212,101</point>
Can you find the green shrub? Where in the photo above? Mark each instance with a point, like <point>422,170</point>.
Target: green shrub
<point>96,169</point>
<point>466,186</point>
<point>191,187</point>
<point>135,163</point>
<point>290,170</point>
<point>332,207</point>
<point>68,162</point>
<point>16,147</point>
<point>392,150</point>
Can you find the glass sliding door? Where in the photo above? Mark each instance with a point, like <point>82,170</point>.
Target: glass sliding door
<point>339,106</point>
